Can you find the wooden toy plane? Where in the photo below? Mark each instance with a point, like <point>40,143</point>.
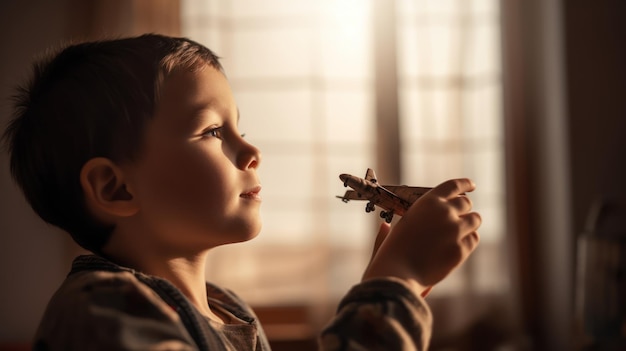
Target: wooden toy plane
<point>393,199</point>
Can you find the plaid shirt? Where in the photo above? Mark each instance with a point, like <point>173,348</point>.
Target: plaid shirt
<point>103,306</point>
<point>379,314</point>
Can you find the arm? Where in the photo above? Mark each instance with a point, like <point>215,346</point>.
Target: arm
<point>386,311</point>
<point>379,314</point>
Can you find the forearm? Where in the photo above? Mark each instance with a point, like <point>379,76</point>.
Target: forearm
<point>379,314</point>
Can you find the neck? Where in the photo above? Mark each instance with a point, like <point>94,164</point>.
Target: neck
<point>188,275</point>
<point>187,272</point>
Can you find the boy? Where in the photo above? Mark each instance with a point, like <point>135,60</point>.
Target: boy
<point>131,146</point>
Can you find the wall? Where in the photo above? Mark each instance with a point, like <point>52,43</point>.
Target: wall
<point>35,257</point>
<point>32,259</point>
<point>565,110</point>
<point>596,71</point>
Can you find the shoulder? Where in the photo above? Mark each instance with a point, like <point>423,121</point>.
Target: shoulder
<point>121,291</point>
<point>100,307</point>
<point>230,301</point>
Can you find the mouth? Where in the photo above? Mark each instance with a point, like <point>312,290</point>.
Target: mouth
<point>252,194</point>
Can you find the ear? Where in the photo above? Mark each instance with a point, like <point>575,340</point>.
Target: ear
<point>106,192</point>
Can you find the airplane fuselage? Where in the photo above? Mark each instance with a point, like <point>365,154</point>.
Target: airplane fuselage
<point>376,194</point>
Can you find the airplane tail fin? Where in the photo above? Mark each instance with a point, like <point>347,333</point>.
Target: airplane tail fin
<point>370,175</point>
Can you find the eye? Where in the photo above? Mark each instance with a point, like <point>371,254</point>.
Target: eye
<point>214,132</point>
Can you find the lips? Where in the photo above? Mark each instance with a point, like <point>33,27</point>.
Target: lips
<point>252,194</point>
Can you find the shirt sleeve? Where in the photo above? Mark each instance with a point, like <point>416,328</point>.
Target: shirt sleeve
<point>379,314</point>
<point>109,311</point>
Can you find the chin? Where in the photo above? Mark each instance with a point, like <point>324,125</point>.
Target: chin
<point>255,231</point>
<point>247,231</point>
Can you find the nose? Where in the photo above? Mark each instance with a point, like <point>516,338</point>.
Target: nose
<point>249,156</point>
<point>345,178</point>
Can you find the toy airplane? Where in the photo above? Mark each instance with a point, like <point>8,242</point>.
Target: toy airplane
<point>393,199</point>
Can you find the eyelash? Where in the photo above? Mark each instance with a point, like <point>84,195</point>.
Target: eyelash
<point>217,133</point>
<point>214,132</point>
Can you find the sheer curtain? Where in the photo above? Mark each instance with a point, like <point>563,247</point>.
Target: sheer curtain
<point>450,106</point>
<point>303,75</point>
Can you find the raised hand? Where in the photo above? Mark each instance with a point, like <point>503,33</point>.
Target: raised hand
<point>435,236</point>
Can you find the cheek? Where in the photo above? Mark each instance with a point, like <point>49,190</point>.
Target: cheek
<point>184,181</point>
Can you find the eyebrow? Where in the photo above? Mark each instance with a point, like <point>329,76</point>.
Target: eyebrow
<point>196,113</point>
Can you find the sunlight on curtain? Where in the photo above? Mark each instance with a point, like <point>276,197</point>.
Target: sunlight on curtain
<point>450,107</point>
<point>302,73</point>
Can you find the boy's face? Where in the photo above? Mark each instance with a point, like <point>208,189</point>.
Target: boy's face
<point>196,176</point>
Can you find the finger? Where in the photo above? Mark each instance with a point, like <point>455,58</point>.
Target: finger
<point>461,203</point>
<point>470,222</point>
<point>470,242</point>
<point>383,232</point>
<point>454,187</point>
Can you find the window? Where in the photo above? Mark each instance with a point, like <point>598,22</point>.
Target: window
<point>303,75</point>
<point>450,109</point>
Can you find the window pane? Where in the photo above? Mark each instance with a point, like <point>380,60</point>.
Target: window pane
<point>276,116</point>
<point>486,169</point>
<point>412,57</point>
<point>412,115</point>
<point>428,50</point>
<point>347,52</point>
<point>440,118</point>
<point>270,8</point>
<point>493,222</point>
<point>442,43</point>
<point>482,108</point>
<point>190,9</point>
<point>274,53</point>
<point>433,8</point>
<point>288,225</point>
<point>287,177</point>
<point>483,48</point>
<point>344,34</point>
<point>441,7</point>
<point>485,7</point>
<point>348,116</point>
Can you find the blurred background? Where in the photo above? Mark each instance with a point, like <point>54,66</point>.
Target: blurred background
<point>524,97</point>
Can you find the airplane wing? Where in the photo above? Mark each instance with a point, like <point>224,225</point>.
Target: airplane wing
<point>351,195</point>
<point>408,193</point>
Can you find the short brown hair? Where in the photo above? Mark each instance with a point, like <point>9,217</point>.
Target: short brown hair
<point>88,100</point>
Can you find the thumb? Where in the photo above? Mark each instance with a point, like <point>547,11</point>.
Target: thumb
<point>383,232</point>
